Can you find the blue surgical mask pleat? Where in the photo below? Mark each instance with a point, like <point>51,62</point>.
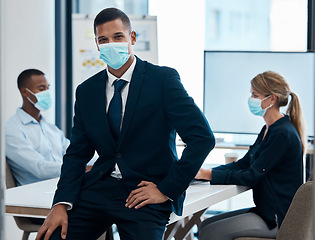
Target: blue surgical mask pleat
<point>114,54</point>
<point>255,108</point>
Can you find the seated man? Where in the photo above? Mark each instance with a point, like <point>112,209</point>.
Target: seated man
<point>34,147</point>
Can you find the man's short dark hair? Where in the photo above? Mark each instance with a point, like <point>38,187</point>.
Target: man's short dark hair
<point>110,14</point>
<point>26,75</point>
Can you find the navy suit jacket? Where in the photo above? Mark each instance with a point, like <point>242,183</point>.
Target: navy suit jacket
<point>157,107</point>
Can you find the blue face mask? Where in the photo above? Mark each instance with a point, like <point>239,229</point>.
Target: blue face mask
<point>114,54</point>
<point>44,100</point>
<point>254,105</point>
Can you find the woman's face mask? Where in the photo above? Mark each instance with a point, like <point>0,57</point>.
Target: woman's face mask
<point>44,100</point>
<point>255,108</point>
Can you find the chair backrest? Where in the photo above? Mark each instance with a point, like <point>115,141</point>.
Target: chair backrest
<point>9,179</point>
<point>23,223</point>
<point>298,221</point>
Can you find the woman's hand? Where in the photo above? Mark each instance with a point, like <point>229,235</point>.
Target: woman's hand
<point>204,174</point>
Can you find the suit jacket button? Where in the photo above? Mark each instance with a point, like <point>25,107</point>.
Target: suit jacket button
<point>118,155</point>
<point>101,173</point>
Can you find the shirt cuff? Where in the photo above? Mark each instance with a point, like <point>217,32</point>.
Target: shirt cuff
<point>69,205</point>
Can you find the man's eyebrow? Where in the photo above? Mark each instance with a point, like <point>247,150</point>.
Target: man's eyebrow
<point>116,33</point>
<point>42,85</point>
<point>101,37</point>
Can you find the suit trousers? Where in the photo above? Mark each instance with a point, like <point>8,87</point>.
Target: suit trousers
<point>102,205</point>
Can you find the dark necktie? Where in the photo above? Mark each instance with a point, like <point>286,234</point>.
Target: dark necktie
<point>115,109</point>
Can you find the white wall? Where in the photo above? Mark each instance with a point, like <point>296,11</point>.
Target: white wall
<point>27,41</point>
<point>181,34</point>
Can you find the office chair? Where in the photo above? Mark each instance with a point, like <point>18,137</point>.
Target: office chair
<point>298,221</point>
<point>23,223</point>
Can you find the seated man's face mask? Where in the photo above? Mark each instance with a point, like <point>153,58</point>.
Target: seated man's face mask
<point>44,100</point>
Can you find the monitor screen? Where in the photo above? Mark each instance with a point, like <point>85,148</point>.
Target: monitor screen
<point>227,76</point>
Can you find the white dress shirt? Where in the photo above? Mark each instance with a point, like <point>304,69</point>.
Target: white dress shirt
<point>34,149</point>
<point>124,94</point>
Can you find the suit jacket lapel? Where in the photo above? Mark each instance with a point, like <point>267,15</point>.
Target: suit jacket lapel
<point>133,94</point>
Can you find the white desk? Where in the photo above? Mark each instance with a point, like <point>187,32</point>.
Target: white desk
<point>223,145</point>
<point>35,200</point>
<point>32,200</point>
<point>202,195</point>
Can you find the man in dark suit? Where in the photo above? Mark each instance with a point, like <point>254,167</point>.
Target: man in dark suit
<point>138,179</point>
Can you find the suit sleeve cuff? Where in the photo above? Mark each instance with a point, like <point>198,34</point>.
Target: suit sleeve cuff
<point>218,176</point>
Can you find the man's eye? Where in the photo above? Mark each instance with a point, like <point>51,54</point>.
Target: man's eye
<point>102,41</point>
<point>119,36</point>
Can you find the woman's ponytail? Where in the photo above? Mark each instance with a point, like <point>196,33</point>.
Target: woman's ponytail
<point>296,116</point>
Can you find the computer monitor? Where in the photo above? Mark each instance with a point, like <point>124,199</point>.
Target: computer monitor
<point>227,76</point>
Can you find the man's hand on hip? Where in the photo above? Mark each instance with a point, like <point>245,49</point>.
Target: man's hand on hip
<point>147,193</point>
<point>57,217</point>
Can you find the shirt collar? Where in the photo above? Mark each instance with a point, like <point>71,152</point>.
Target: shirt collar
<point>26,118</point>
<point>126,76</point>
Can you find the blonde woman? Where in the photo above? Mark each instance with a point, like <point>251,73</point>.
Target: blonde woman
<point>272,167</point>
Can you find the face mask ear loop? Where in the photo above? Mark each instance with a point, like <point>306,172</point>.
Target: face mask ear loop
<point>269,105</point>
<point>29,98</point>
<point>266,98</point>
<point>30,92</point>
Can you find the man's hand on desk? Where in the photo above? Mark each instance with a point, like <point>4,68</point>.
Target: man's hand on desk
<point>204,174</point>
<point>57,217</point>
<point>147,193</point>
